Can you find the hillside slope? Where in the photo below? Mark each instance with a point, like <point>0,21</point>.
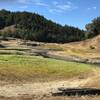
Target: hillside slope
<point>87,43</point>
<point>87,49</point>
<point>32,26</point>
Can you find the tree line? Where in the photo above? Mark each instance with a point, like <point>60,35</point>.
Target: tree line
<point>32,26</point>
<point>93,28</point>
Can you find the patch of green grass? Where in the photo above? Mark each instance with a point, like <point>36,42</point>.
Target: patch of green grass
<point>35,68</point>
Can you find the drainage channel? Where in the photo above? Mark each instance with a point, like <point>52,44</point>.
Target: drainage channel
<point>76,91</point>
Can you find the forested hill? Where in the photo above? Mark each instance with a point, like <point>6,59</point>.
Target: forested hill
<point>31,26</point>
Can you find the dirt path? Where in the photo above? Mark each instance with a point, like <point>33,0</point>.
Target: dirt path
<point>38,88</point>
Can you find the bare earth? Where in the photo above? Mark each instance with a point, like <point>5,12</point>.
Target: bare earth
<point>42,88</point>
<point>45,88</point>
<point>38,88</point>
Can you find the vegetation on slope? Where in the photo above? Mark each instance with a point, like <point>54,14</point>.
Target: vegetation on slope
<point>31,26</point>
<point>93,28</point>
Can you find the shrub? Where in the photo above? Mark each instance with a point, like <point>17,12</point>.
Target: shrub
<point>92,47</point>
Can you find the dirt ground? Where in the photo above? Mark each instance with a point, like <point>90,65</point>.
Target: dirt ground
<point>44,90</point>
<point>38,88</point>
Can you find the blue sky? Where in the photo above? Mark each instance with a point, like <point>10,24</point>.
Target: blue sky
<point>72,12</point>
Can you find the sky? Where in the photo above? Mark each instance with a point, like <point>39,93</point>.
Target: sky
<point>76,13</point>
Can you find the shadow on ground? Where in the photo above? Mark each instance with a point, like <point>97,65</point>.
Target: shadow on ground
<point>76,91</point>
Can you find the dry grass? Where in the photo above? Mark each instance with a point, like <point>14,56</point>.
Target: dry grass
<point>95,83</point>
<point>80,49</point>
<point>11,29</point>
<point>47,97</point>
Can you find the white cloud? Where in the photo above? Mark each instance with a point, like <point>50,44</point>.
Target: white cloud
<point>95,8</point>
<point>41,4</point>
<point>33,2</point>
<point>62,7</point>
<point>53,6</point>
<point>55,2</point>
<point>29,1</point>
<point>23,1</point>
<point>92,8</point>
<point>89,8</point>
<point>68,2</point>
<point>24,7</point>
<point>55,10</point>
